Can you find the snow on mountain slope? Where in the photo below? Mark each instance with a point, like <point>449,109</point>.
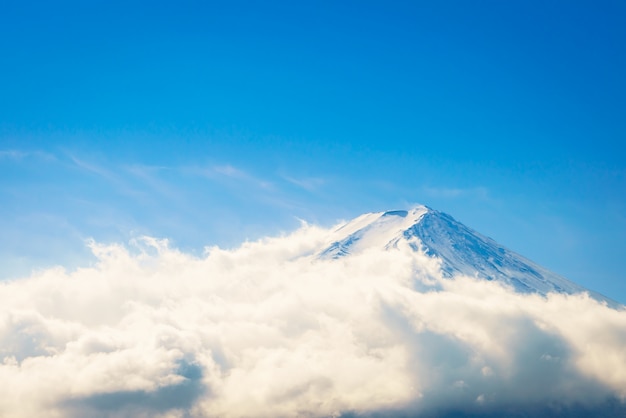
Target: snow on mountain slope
<point>372,230</point>
<point>460,249</point>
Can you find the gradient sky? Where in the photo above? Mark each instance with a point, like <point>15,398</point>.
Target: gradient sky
<point>215,122</point>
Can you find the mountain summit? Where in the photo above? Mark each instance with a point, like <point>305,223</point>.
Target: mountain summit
<point>460,249</point>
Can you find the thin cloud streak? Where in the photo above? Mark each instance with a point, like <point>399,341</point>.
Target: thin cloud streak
<point>12,154</point>
<point>310,184</point>
<point>228,172</point>
<point>454,193</point>
<point>20,155</point>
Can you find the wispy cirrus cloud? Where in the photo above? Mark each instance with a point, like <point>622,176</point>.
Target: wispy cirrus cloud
<point>310,184</point>
<point>221,172</point>
<point>93,168</point>
<point>20,155</point>
<point>154,178</point>
<point>12,154</point>
<point>229,171</point>
<point>116,178</point>
<point>456,192</point>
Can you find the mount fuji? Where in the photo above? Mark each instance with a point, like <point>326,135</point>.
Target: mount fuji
<point>461,250</point>
<point>405,313</point>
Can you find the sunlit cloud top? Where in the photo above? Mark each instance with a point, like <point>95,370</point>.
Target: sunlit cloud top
<point>271,329</point>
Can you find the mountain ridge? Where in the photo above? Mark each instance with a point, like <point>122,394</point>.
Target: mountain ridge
<point>461,250</point>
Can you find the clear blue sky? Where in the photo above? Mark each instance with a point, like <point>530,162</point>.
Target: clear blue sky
<point>213,122</point>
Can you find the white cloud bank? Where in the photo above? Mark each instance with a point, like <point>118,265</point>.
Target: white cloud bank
<point>267,331</point>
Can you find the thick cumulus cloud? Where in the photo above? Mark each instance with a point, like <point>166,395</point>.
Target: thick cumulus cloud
<point>269,330</point>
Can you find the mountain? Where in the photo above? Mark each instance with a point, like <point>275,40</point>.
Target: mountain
<point>460,249</point>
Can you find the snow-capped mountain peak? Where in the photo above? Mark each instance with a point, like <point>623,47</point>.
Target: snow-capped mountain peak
<point>460,249</point>
<point>377,230</point>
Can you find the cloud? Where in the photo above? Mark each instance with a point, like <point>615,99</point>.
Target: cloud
<point>310,184</point>
<point>93,168</point>
<point>151,176</point>
<point>20,155</point>
<point>454,193</point>
<point>12,154</point>
<point>229,172</point>
<point>267,330</point>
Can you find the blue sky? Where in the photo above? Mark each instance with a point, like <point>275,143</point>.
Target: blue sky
<point>215,122</point>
